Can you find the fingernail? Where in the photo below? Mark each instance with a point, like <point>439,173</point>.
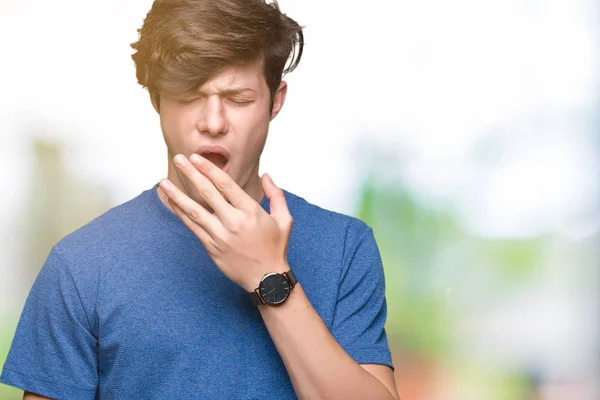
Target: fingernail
<point>195,158</point>
<point>166,185</point>
<point>270,179</point>
<point>179,160</point>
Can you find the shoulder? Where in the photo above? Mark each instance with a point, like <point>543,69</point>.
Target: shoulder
<point>330,231</point>
<point>85,252</point>
<point>320,220</point>
<point>84,255</point>
<point>105,230</point>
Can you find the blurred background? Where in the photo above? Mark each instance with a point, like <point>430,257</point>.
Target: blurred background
<point>466,133</point>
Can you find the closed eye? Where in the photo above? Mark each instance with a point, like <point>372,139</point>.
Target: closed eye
<point>235,101</point>
<point>240,102</point>
<point>185,102</point>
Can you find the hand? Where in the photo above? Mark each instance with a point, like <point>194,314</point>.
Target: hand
<point>242,239</point>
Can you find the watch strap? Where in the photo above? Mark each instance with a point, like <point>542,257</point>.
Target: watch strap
<point>291,277</point>
<point>256,299</point>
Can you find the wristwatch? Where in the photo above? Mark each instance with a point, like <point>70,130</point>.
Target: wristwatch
<point>274,288</point>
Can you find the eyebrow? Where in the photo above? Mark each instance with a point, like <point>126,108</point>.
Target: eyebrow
<point>229,92</point>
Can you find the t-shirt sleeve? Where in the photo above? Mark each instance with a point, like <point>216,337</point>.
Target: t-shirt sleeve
<point>54,352</point>
<point>361,311</point>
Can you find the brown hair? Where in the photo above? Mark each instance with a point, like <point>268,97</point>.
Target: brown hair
<point>183,43</point>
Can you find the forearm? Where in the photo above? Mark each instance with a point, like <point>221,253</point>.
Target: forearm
<point>317,365</point>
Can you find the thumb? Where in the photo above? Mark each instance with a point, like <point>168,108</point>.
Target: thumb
<point>278,204</point>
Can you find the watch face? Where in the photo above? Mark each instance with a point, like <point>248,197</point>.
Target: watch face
<point>274,288</point>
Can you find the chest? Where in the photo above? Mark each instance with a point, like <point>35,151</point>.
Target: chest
<point>184,331</point>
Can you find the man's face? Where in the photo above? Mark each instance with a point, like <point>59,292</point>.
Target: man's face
<point>230,110</point>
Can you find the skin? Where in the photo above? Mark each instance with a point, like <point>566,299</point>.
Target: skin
<point>232,110</point>
<point>245,242</point>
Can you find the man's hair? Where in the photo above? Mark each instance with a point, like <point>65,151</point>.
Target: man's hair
<point>183,43</point>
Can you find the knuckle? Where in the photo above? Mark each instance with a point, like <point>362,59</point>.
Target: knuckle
<point>224,185</point>
<point>206,193</point>
<point>288,221</point>
<point>222,243</point>
<point>219,246</point>
<point>235,225</point>
<point>194,213</point>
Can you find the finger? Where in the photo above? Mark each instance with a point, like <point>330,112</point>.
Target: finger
<point>224,183</point>
<point>205,188</point>
<point>194,211</point>
<point>196,229</point>
<point>278,204</point>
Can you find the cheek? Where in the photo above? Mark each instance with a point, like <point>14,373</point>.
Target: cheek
<point>252,128</point>
<point>175,127</point>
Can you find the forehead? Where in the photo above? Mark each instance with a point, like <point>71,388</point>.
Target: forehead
<point>237,77</point>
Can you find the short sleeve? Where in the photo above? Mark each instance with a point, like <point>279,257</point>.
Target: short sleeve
<point>54,352</point>
<point>361,311</point>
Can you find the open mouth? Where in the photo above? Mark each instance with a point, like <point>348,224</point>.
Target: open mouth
<point>218,159</point>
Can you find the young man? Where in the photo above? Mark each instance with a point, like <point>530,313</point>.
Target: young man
<point>214,284</point>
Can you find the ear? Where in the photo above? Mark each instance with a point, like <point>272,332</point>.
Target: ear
<point>154,98</point>
<point>278,99</point>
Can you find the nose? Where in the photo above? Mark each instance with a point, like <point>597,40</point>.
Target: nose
<point>213,119</point>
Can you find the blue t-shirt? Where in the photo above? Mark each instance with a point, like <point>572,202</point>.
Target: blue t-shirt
<point>131,306</point>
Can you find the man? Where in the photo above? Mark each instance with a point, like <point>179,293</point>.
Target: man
<point>214,284</point>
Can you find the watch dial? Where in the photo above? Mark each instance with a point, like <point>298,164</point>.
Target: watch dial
<point>274,288</point>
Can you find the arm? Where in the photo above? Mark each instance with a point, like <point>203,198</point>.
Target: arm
<point>318,366</point>
<point>53,338</point>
